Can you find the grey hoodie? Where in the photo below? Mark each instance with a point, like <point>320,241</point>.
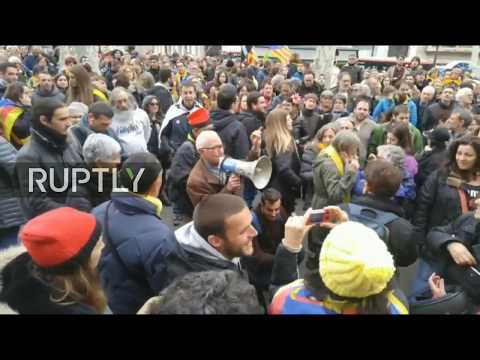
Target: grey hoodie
<point>192,242</point>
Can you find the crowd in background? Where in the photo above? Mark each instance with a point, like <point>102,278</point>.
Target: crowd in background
<point>393,157</point>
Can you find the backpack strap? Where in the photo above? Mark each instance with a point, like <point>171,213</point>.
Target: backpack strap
<point>135,275</point>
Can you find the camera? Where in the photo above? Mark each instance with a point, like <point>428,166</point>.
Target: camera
<point>319,216</point>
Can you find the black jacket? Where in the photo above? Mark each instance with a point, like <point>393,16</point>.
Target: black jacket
<point>164,97</point>
<point>308,156</point>
<point>26,294</point>
<point>463,230</point>
<point>251,121</point>
<point>402,243</point>
<point>44,152</point>
<point>438,204</point>
<point>286,177</point>
<point>436,112</point>
<point>308,123</point>
<point>182,164</point>
<point>421,112</point>
<point>232,132</point>
<point>428,162</point>
<point>315,89</point>
<point>356,72</point>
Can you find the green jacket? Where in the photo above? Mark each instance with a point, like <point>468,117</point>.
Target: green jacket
<point>379,137</point>
<point>329,186</point>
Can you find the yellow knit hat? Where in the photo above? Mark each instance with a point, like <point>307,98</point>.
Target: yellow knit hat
<point>354,261</point>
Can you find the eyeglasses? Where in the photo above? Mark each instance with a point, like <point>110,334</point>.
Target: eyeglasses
<point>154,103</point>
<point>216,147</point>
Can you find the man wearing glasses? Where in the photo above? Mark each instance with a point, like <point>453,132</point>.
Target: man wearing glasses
<point>206,177</point>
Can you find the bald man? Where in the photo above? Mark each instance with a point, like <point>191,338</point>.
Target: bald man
<point>206,178</point>
<point>423,102</point>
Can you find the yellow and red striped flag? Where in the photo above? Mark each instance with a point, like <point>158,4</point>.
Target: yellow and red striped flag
<point>282,53</point>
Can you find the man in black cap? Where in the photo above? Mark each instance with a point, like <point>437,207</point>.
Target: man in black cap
<point>136,239</point>
<point>434,156</point>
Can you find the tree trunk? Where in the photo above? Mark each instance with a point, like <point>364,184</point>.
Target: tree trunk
<point>324,62</point>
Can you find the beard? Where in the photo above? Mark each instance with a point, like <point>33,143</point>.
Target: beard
<point>123,115</point>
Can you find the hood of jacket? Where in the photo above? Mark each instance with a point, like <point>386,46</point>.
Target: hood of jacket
<point>192,242</point>
<point>51,93</point>
<point>222,118</point>
<point>177,110</point>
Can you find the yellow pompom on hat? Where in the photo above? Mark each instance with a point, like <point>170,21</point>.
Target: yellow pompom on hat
<point>355,262</point>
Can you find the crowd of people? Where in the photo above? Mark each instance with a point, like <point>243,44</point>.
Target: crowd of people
<point>391,158</point>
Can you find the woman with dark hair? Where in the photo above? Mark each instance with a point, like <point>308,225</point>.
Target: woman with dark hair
<point>57,274</point>
<point>16,115</point>
<point>221,77</point>
<point>81,88</point>
<point>434,156</point>
<point>448,193</point>
<point>61,82</point>
<point>415,64</point>
<point>400,135</point>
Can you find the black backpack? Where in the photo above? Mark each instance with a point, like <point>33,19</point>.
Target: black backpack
<point>372,218</point>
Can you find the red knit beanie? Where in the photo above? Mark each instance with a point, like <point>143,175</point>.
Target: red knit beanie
<point>61,239</point>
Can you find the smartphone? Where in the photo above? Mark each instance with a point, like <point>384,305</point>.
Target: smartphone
<point>319,216</point>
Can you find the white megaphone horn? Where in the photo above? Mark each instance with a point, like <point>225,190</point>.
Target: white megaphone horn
<point>259,171</point>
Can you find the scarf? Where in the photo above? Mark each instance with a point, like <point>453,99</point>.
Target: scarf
<point>332,153</point>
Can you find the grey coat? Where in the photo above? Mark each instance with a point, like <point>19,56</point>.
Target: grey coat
<point>10,210</point>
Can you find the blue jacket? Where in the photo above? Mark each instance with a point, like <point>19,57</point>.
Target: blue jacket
<point>142,240</point>
<point>407,188</point>
<point>386,104</point>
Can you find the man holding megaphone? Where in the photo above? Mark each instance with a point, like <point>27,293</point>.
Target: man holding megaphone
<point>210,174</point>
<point>206,177</point>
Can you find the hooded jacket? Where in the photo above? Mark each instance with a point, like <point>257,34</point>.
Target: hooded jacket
<point>80,132</point>
<point>175,128</point>
<point>232,132</point>
<point>143,241</point>
<point>436,112</point>
<point>251,120</point>
<point>54,93</point>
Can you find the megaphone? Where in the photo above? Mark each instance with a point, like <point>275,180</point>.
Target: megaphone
<point>259,171</point>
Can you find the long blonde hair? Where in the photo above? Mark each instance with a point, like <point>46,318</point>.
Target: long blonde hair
<point>83,92</point>
<point>83,286</point>
<point>278,138</point>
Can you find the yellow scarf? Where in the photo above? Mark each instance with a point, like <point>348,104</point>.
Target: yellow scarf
<point>158,204</point>
<point>337,160</point>
<point>100,95</point>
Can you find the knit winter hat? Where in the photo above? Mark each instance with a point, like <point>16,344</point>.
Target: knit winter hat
<point>61,239</point>
<point>133,166</point>
<point>355,262</point>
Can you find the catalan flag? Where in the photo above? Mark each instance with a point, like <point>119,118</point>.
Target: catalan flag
<point>282,53</point>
